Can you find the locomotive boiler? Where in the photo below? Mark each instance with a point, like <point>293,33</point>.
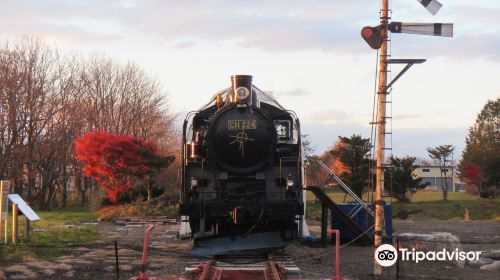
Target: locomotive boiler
<point>242,167</point>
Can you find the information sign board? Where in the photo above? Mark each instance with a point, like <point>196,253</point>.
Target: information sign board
<point>24,207</point>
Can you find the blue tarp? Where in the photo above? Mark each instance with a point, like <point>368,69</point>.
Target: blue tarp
<point>364,221</point>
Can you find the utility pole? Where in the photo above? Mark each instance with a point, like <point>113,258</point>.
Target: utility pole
<point>382,94</point>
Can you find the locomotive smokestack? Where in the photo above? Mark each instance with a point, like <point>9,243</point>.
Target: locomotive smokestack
<point>242,89</point>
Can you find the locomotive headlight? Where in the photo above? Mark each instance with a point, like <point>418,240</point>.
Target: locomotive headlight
<point>194,182</point>
<point>242,93</point>
<point>289,183</point>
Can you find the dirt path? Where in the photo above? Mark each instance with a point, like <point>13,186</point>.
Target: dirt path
<point>169,256</point>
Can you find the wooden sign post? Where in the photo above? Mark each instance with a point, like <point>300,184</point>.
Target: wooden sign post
<point>4,207</point>
<point>29,215</point>
<point>14,224</point>
<point>26,229</point>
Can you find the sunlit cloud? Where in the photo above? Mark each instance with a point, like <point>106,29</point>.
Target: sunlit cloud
<point>331,26</point>
<point>294,92</point>
<point>407,116</point>
<point>411,142</point>
<point>309,53</point>
<point>184,44</point>
<point>330,116</point>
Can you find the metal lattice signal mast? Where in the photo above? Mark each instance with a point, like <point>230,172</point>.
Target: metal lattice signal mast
<point>377,38</point>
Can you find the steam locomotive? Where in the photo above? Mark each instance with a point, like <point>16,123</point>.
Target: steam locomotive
<point>242,170</point>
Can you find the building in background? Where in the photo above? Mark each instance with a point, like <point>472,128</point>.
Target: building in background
<point>432,174</point>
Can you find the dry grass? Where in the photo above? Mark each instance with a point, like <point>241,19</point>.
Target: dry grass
<point>137,210</point>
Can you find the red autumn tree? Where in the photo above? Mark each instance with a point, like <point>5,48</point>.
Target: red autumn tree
<point>473,175</point>
<point>116,160</point>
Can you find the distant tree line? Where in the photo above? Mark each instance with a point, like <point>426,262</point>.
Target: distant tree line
<point>480,164</point>
<point>349,158</point>
<point>48,99</point>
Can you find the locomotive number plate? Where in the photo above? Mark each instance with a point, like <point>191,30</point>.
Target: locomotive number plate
<point>241,124</point>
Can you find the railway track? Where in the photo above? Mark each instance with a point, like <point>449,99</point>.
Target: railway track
<point>277,265</point>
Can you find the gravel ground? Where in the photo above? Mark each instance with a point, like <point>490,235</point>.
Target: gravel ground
<point>169,256</point>
<point>356,260</point>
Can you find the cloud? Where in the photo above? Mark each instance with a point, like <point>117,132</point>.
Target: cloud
<point>184,44</point>
<point>277,26</point>
<point>414,142</point>
<point>330,115</point>
<point>323,135</point>
<point>405,141</point>
<point>295,92</point>
<point>463,47</point>
<point>407,116</point>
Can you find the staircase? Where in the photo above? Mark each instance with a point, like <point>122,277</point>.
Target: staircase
<point>328,204</point>
<point>348,190</point>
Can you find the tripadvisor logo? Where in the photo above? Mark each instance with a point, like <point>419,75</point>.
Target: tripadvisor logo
<point>387,255</point>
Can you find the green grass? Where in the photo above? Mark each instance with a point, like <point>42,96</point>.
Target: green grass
<point>451,209</point>
<point>431,205</point>
<point>51,235</point>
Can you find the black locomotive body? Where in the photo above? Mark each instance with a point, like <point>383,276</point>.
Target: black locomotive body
<point>242,165</point>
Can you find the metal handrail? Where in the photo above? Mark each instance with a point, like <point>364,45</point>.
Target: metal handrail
<point>346,188</point>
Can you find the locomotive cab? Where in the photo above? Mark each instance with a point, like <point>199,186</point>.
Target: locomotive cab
<point>242,168</point>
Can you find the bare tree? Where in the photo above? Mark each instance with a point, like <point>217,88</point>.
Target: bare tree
<point>29,77</point>
<point>47,100</point>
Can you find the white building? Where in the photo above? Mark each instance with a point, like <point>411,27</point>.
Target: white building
<point>433,175</point>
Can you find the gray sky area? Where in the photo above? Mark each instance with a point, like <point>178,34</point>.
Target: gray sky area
<point>308,53</point>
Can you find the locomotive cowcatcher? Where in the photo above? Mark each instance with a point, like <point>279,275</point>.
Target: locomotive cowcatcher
<point>242,167</point>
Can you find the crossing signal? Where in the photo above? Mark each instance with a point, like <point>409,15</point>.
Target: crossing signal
<point>373,36</point>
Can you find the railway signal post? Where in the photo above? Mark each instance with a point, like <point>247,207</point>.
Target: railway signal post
<point>382,92</point>
<point>377,38</point>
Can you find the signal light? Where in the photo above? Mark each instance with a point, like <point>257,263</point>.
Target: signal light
<point>373,36</point>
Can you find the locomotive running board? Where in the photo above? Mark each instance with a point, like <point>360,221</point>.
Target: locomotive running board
<point>223,245</point>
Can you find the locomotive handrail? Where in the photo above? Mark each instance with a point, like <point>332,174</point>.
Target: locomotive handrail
<point>270,97</point>
<point>291,112</point>
<point>183,151</point>
<point>226,90</point>
<point>184,126</point>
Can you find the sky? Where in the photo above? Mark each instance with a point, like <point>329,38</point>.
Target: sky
<point>309,54</point>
